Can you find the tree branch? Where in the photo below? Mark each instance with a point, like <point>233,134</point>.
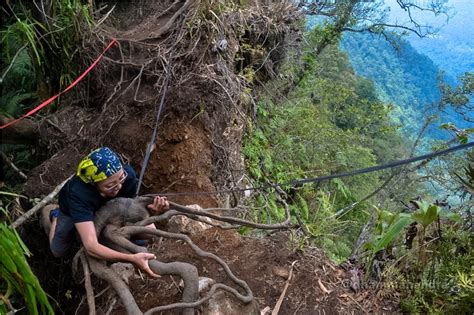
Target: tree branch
<point>185,210</point>
<point>39,205</point>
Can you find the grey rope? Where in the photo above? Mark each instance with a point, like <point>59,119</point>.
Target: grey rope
<point>155,130</point>
<point>327,177</point>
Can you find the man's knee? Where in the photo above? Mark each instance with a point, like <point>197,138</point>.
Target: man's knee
<point>59,249</point>
<point>45,217</point>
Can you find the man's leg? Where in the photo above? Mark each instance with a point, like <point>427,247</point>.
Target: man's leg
<point>45,218</point>
<point>54,224</point>
<point>59,228</point>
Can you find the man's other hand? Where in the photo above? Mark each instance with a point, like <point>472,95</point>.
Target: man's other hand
<point>159,205</point>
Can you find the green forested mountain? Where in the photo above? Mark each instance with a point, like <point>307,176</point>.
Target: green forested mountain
<point>451,47</point>
<point>402,76</point>
<point>331,121</point>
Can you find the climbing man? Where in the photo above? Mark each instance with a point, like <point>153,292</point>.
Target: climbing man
<point>100,177</point>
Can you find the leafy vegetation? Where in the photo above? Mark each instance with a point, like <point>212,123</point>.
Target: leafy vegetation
<point>329,119</point>
<point>39,50</point>
<point>18,279</point>
<point>450,49</point>
<point>402,77</point>
<point>411,82</point>
<point>444,284</point>
<point>332,121</point>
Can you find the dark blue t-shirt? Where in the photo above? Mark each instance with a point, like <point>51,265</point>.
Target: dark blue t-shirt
<point>80,200</point>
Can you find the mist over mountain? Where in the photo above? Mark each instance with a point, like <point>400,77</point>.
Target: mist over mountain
<point>408,77</point>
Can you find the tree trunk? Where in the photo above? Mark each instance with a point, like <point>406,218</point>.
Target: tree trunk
<point>22,132</point>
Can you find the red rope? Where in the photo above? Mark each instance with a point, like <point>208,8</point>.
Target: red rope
<point>51,99</point>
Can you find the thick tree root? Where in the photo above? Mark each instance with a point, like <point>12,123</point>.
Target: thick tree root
<point>120,237</point>
<point>121,211</point>
<point>88,284</point>
<point>102,271</point>
<point>134,230</point>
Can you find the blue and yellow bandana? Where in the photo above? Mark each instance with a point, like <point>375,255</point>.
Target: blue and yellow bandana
<point>100,164</point>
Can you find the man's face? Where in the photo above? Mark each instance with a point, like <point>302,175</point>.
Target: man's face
<point>111,186</point>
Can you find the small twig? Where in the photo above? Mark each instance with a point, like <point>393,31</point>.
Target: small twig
<point>175,284</point>
<point>39,205</point>
<point>266,58</point>
<point>167,10</point>
<point>111,307</point>
<point>322,287</point>
<point>345,210</point>
<point>55,126</point>
<point>13,166</point>
<point>79,306</point>
<point>276,309</point>
<point>171,21</point>
<point>102,292</point>
<point>226,92</point>
<point>358,304</point>
<point>117,86</point>
<point>104,17</point>
<point>415,249</point>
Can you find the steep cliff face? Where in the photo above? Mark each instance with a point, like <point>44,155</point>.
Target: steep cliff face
<point>202,58</point>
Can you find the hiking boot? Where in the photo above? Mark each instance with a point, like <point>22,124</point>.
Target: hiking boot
<point>47,214</point>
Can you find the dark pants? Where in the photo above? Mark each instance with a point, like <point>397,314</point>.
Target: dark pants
<point>64,235</point>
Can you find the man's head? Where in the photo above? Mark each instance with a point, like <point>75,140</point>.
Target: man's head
<point>103,168</point>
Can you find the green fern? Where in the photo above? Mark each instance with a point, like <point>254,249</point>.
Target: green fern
<point>12,104</point>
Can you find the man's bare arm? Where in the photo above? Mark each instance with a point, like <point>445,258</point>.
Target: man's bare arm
<point>93,248</point>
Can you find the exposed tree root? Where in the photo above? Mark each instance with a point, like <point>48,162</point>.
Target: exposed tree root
<point>88,284</point>
<point>172,20</point>
<point>102,271</point>
<point>112,219</point>
<point>181,48</point>
<point>13,166</point>
<point>135,230</point>
<point>39,205</point>
<point>190,212</point>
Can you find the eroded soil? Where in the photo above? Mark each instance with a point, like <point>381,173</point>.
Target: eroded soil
<point>199,123</point>
<point>317,285</point>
